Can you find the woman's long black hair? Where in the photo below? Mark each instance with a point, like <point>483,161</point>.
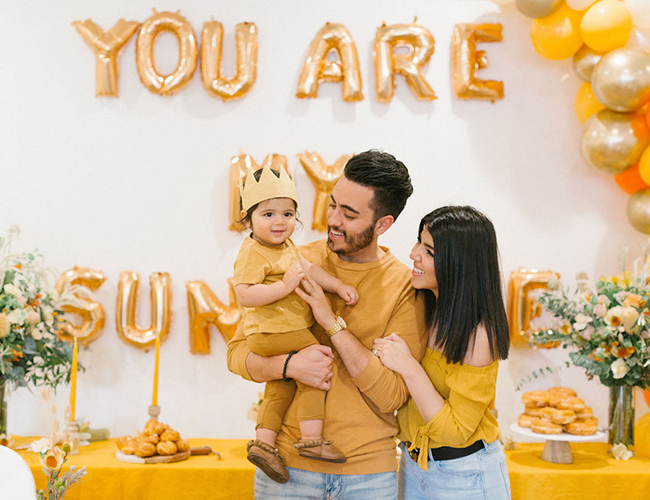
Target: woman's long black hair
<point>466,262</point>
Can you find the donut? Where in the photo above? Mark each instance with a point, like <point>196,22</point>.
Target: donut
<point>525,420</point>
<point>557,416</point>
<point>587,412</point>
<point>533,411</point>
<point>563,390</point>
<point>585,427</point>
<point>571,403</point>
<point>541,426</point>
<point>535,398</point>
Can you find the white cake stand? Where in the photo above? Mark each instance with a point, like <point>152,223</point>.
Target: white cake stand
<point>557,449</point>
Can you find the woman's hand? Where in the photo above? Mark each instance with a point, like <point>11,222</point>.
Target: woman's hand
<point>395,354</point>
<point>314,296</point>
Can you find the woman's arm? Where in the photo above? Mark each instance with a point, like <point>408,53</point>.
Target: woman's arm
<point>395,354</point>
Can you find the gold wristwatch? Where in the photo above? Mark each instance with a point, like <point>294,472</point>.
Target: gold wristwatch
<point>336,327</point>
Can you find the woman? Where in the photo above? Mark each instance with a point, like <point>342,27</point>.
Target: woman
<point>449,435</point>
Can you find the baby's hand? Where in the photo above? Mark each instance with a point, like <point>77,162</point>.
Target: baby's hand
<point>294,275</point>
<point>348,293</point>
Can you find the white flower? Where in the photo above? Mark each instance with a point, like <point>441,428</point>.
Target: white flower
<point>16,317</point>
<point>629,317</point>
<point>10,289</point>
<point>619,368</point>
<point>613,316</point>
<point>621,452</point>
<point>43,445</point>
<point>47,315</point>
<point>581,321</point>
<point>35,333</point>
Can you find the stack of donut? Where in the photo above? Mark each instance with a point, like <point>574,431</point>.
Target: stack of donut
<point>157,439</point>
<point>557,410</point>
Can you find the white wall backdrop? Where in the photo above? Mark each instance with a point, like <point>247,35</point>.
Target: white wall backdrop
<point>140,182</point>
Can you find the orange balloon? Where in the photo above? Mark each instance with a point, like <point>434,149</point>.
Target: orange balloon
<point>557,36</point>
<point>630,180</point>
<point>585,103</point>
<point>646,396</point>
<point>647,116</point>
<point>606,26</point>
<point>644,166</point>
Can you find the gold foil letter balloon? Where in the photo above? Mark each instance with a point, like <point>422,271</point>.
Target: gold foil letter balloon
<point>324,177</point>
<point>621,79</point>
<point>127,295</point>
<point>316,68</point>
<point>388,62</point>
<point>240,167</point>
<point>106,45</point>
<point>187,52</point>
<point>206,309</point>
<point>612,142</point>
<point>466,61</point>
<point>75,302</point>
<point>246,63</point>
<point>521,308</point>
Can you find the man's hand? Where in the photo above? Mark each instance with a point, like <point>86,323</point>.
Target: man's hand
<point>312,366</point>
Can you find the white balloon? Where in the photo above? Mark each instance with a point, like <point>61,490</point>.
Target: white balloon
<point>580,4</point>
<point>640,10</point>
<point>640,39</point>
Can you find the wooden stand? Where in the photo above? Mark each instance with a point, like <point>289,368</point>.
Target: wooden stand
<point>557,452</point>
<point>154,411</point>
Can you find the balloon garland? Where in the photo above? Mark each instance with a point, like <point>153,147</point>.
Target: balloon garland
<point>609,41</point>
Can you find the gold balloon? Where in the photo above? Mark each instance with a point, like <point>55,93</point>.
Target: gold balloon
<point>612,142</point>
<point>584,62</point>
<point>537,8</point>
<point>621,80</point>
<point>240,166</point>
<point>106,45</point>
<point>246,63</point>
<point>91,312</point>
<point>206,309</point>
<point>521,308</point>
<point>187,53</point>
<point>331,38</point>
<point>638,210</point>
<point>466,61</point>
<point>127,294</point>
<point>388,62</point>
<point>324,177</point>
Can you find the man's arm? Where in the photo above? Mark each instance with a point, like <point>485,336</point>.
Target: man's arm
<point>311,366</point>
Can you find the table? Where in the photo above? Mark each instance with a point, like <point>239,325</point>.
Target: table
<point>593,475</point>
<point>199,477</point>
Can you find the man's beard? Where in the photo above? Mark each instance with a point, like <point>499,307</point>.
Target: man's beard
<point>353,243</point>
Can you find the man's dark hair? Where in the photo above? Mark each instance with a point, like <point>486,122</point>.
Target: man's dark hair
<point>386,175</point>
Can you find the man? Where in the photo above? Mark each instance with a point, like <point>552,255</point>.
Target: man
<point>362,394</point>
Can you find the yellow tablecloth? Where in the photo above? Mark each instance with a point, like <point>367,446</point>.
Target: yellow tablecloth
<point>593,475</point>
<point>199,477</point>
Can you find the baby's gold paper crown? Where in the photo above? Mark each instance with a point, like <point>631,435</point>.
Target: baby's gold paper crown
<point>269,186</point>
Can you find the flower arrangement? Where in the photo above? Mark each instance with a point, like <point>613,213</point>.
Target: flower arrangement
<point>30,320</point>
<point>52,459</point>
<point>607,323</point>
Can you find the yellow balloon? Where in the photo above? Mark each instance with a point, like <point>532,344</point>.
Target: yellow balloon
<point>644,166</point>
<point>585,103</point>
<point>557,36</point>
<point>606,25</point>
